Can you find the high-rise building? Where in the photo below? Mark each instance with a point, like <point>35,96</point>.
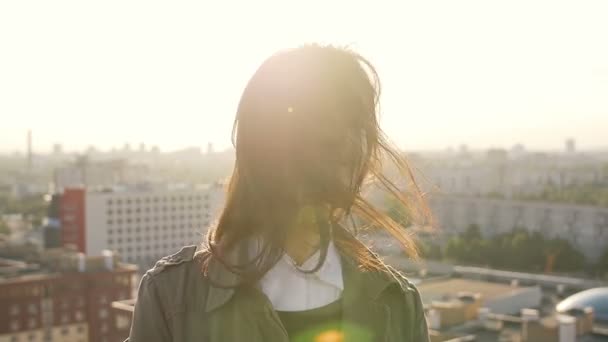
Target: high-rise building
<point>29,150</point>
<point>142,225</point>
<point>57,149</point>
<point>64,296</point>
<point>570,145</point>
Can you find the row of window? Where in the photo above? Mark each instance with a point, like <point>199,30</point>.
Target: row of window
<point>32,323</point>
<point>48,337</point>
<point>111,221</point>
<point>154,248</point>
<point>152,237</point>
<point>136,210</point>
<point>157,199</point>
<point>147,228</point>
<point>32,308</point>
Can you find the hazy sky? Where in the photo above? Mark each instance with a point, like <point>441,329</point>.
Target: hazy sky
<point>484,73</point>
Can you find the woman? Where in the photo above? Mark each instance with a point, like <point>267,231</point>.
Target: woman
<point>282,263</point>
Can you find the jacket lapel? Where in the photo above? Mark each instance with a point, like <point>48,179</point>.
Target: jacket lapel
<point>365,318</point>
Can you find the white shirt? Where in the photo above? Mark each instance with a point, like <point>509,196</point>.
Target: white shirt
<point>289,289</point>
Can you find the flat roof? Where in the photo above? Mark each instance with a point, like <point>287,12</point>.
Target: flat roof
<point>439,289</point>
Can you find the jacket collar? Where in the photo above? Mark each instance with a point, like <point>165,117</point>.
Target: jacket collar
<point>357,281</point>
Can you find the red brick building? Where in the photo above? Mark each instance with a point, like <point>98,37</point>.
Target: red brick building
<point>67,297</point>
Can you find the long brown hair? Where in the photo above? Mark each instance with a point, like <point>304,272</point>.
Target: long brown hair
<point>306,134</point>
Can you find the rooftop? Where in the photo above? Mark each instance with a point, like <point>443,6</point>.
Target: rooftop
<point>443,289</point>
<point>48,263</point>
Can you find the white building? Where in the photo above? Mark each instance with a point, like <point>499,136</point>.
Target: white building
<point>586,227</point>
<point>140,225</point>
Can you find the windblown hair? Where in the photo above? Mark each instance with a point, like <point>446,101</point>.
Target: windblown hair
<point>306,134</point>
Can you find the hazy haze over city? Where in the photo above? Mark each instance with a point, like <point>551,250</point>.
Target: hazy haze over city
<point>474,72</point>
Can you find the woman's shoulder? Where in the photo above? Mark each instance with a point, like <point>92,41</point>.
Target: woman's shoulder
<point>177,270</point>
<point>172,279</point>
<point>174,262</point>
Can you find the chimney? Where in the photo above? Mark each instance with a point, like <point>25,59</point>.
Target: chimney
<point>434,318</point>
<point>82,262</point>
<point>108,259</point>
<point>29,150</point>
<point>567,328</point>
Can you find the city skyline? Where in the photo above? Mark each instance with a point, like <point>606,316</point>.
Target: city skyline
<point>472,72</point>
<point>567,145</point>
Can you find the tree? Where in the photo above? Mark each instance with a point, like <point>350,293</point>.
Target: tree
<point>398,213</point>
<point>4,228</point>
<point>603,263</point>
<point>430,250</point>
<point>519,249</point>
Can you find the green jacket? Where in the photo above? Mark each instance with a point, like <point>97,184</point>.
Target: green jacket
<point>177,303</point>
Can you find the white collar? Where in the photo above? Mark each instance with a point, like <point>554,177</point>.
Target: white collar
<point>290,289</point>
<point>331,270</point>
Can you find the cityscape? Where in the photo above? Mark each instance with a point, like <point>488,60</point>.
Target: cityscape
<point>518,251</point>
<point>454,152</point>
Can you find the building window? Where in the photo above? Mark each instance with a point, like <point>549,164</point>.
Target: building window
<point>31,323</point>
<point>15,325</point>
<point>64,331</point>
<point>14,309</point>
<point>103,313</point>
<point>80,329</point>
<point>122,322</point>
<point>32,309</point>
<point>64,319</point>
<point>78,315</point>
